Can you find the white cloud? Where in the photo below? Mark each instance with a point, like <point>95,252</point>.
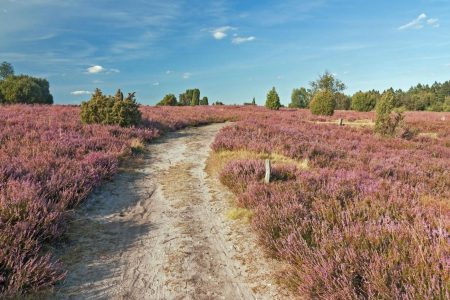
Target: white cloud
<point>168,72</point>
<point>95,69</point>
<point>99,69</point>
<point>419,22</point>
<point>221,32</point>
<point>187,75</point>
<point>240,39</point>
<point>155,83</point>
<point>79,93</point>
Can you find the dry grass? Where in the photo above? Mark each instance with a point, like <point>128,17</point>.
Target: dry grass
<point>356,123</point>
<point>238,213</point>
<point>137,146</point>
<point>217,160</point>
<point>432,135</point>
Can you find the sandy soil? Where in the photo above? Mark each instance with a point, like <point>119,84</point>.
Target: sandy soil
<point>159,231</point>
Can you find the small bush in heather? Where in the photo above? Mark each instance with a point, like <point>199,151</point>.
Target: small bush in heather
<point>108,110</point>
<point>387,120</point>
<point>273,100</point>
<point>168,100</point>
<point>323,103</point>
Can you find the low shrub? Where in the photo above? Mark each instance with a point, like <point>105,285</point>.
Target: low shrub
<point>323,103</point>
<point>108,110</point>
<point>387,119</point>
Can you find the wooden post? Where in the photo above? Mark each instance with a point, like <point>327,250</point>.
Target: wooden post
<point>341,122</point>
<point>267,178</point>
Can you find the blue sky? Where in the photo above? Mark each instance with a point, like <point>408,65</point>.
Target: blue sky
<point>231,50</point>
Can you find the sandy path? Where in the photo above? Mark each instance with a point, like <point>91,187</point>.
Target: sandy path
<point>159,231</point>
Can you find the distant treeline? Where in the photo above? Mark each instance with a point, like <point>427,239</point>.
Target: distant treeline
<point>420,97</point>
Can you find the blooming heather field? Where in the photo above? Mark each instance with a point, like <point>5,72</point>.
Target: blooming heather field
<point>355,216</point>
<point>49,163</point>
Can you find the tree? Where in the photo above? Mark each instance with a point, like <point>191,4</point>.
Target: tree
<point>6,69</point>
<point>25,89</point>
<point>385,122</point>
<point>327,82</point>
<point>195,97</point>
<point>364,101</point>
<point>204,101</point>
<point>254,101</point>
<point>343,102</point>
<point>108,110</point>
<point>273,100</point>
<point>446,105</point>
<point>168,100</point>
<point>323,103</point>
<point>300,98</point>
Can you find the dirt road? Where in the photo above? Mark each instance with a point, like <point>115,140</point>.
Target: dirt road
<point>159,231</point>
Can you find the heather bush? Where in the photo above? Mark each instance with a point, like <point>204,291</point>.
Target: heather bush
<point>323,103</point>
<point>108,110</point>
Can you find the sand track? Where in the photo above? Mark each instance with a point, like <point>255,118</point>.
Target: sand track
<point>159,231</point>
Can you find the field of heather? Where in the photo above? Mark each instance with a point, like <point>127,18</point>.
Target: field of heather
<point>352,214</point>
<point>49,163</point>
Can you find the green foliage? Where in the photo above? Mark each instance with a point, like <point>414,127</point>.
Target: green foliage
<point>108,110</point>
<point>6,69</point>
<point>364,101</point>
<point>218,103</point>
<point>25,89</point>
<point>327,82</point>
<point>343,102</point>
<point>195,97</point>
<point>323,103</point>
<point>273,100</point>
<point>300,98</point>
<point>446,105</point>
<point>190,97</point>
<point>254,101</point>
<point>204,101</point>
<point>387,120</point>
<point>419,97</point>
<point>168,100</point>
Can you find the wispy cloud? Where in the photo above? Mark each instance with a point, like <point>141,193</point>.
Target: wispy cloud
<point>420,22</point>
<point>168,72</point>
<point>241,39</point>
<point>433,22</point>
<point>155,83</point>
<point>186,75</point>
<point>80,93</point>
<point>221,32</point>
